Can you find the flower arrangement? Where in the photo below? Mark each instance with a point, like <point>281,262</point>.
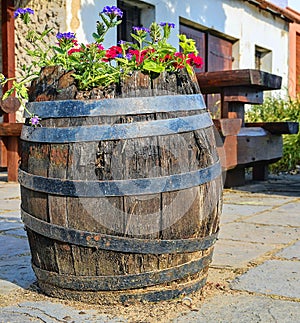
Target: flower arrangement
<point>92,65</point>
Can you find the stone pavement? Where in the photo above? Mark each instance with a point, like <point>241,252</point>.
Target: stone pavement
<point>254,277</point>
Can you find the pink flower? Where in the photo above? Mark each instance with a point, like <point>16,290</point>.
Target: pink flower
<point>100,46</point>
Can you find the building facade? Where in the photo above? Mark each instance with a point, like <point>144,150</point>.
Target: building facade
<point>230,34</point>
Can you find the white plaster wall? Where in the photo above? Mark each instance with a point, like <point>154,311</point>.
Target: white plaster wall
<point>234,18</point>
<point>87,18</point>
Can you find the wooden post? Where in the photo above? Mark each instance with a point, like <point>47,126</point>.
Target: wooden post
<point>8,48</point>
<point>9,147</point>
<point>12,159</point>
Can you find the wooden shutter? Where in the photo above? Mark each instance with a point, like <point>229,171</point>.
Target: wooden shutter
<point>219,56</point>
<point>199,38</point>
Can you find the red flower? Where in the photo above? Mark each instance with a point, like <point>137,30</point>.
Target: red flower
<point>179,60</point>
<point>112,53</point>
<point>139,55</point>
<point>167,57</point>
<point>75,42</point>
<point>179,55</point>
<point>74,50</point>
<point>194,60</point>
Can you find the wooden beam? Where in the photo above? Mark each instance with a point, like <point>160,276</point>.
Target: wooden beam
<point>228,127</point>
<point>215,82</point>
<point>8,48</point>
<point>10,129</point>
<point>277,128</point>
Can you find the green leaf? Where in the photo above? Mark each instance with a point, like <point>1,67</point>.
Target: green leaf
<point>136,37</point>
<point>153,67</point>
<point>8,93</point>
<point>46,32</point>
<point>97,38</point>
<point>26,18</point>
<point>23,92</point>
<point>59,50</point>
<point>107,22</point>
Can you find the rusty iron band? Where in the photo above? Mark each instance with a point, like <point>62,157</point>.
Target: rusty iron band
<point>165,294</point>
<point>116,106</point>
<point>140,186</point>
<point>119,131</point>
<point>121,282</point>
<point>116,243</point>
<point>162,294</point>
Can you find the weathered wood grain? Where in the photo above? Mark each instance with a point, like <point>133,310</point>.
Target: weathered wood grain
<point>277,128</point>
<point>182,214</point>
<point>214,82</point>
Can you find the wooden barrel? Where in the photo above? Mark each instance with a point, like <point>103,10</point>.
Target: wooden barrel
<point>121,198</point>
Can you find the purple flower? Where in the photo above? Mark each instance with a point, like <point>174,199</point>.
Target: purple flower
<point>128,56</point>
<point>137,29</point>
<point>68,35</point>
<point>112,11</point>
<point>23,11</point>
<point>163,24</point>
<point>34,121</point>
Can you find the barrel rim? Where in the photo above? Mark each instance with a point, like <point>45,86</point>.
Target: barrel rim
<point>115,106</point>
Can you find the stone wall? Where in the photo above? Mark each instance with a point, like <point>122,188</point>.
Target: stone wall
<point>48,14</point>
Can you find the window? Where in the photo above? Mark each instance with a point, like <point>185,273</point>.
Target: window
<point>263,59</point>
<point>134,14</point>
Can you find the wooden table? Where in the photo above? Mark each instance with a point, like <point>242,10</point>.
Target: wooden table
<point>251,145</point>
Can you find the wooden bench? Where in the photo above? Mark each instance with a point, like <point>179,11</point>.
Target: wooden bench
<point>243,144</point>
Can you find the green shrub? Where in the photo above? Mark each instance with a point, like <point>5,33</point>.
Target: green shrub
<point>277,109</point>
